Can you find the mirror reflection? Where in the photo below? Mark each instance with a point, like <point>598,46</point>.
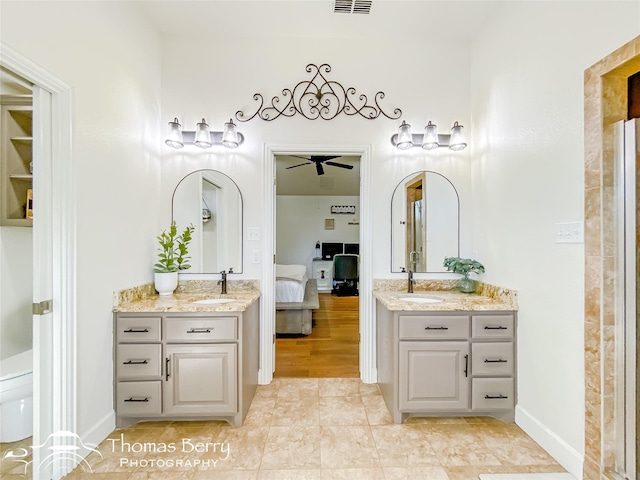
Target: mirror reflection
<point>211,202</point>
<point>425,223</point>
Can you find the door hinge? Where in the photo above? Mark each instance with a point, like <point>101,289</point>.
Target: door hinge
<point>42,308</point>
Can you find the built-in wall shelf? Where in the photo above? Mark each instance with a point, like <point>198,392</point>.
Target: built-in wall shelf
<point>16,157</point>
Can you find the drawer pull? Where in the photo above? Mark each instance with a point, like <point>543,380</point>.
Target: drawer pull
<point>166,368</point>
<point>495,397</point>
<point>436,328</point>
<point>136,362</point>
<point>466,365</point>
<point>137,330</point>
<point>496,327</point>
<point>199,330</point>
<point>499,360</point>
<point>131,399</point>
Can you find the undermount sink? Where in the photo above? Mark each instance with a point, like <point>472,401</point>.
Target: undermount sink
<point>420,299</point>
<point>214,301</point>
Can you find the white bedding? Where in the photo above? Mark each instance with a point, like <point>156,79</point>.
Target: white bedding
<point>290,283</point>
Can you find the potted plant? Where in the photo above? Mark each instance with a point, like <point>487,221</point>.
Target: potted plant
<point>172,258</point>
<point>464,266</point>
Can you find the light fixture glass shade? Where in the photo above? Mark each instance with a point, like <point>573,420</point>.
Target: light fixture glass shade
<point>405,140</point>
<point>457,141</point>
<point>203,137</point>
<point>174,135</point>
<point>230,135</point>
<point>430,139</point>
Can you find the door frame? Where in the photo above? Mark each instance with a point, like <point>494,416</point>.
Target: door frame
<point>55,334</point>
<point>368,373</point>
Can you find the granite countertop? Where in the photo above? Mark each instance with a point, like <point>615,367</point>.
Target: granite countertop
<point>183,301</point>
<point>451,301</point>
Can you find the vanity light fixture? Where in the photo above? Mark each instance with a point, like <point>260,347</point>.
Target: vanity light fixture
<point>431,139</point>
<point>202,136</point>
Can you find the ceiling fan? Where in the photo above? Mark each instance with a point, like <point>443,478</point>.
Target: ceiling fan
<point>319,160</point>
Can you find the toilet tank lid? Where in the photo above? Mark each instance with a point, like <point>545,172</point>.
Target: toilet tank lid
<point>16,365</point>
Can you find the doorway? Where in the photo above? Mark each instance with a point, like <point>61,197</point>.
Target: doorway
<point>53,258</point>
<point>317,222</point>
<point>366,349</point>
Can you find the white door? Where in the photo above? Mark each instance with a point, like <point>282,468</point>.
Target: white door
<point>43,331</point>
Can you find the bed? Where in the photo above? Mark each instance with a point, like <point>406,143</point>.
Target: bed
<point>296,298</point>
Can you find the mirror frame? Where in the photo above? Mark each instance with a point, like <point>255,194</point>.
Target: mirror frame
<point>401,183</point>
<point>186,272</point>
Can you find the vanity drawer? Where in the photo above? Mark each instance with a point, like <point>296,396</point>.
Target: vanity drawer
<point>138,361</point>
<point>492,326</point>
<point>415,327</point>
<point>139,398</point>
<point>492,359</point>
<point>138,329</point>
<point>200,330</point>
<point>488,394</point>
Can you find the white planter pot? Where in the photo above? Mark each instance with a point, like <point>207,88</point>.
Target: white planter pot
<point>165,283</point>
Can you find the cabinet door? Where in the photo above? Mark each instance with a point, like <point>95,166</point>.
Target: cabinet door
<point>434,376</point>
<point>200,379</point>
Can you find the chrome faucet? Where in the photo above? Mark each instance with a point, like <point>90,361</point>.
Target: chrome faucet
<point>223,282</point>
<point>410,280</point>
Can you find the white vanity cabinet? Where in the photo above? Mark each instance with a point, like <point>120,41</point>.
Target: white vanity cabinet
<point>441,363</point>
<point>322,271</point>
<point>200,365</point>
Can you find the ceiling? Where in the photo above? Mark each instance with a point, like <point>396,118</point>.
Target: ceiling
<point>305,181</point>
<point>445,20</point>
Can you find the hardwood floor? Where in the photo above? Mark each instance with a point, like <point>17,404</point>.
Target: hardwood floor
<point>331,350</point>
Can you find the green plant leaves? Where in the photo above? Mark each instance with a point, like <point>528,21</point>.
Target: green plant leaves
<point>173,249</point>
<point>463,266</point>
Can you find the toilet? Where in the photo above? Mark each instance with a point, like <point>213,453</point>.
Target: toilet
<point>16,397</point>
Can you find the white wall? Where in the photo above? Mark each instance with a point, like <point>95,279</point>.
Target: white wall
<point>527,70</point>
<point>300,224</point>
<point>268,65</point>
<point>111,57</point>
<point>16,290</point>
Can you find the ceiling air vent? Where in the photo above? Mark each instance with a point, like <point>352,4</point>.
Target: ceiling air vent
<point>352,6</point>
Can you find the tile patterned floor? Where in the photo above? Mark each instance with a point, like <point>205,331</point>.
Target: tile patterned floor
<point>317,428</point>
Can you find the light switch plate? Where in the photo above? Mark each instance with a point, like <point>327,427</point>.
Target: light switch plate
<point>570,232</point>
<point>253,234</point>
<point>255,257</point>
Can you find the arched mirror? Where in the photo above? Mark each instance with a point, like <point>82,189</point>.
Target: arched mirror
<point>425,223</point>
<point>211,202</point>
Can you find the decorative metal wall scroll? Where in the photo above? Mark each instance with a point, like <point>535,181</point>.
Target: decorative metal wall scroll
<point>319,98</point>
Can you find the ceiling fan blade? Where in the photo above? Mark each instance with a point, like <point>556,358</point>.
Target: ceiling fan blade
<point>341,165</point>
<point>323,158</point>
<point>319,168</point>
<point>299,165</point>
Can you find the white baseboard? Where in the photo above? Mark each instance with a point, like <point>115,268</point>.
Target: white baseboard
<point>563,453</point>
<point>101,430</point>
